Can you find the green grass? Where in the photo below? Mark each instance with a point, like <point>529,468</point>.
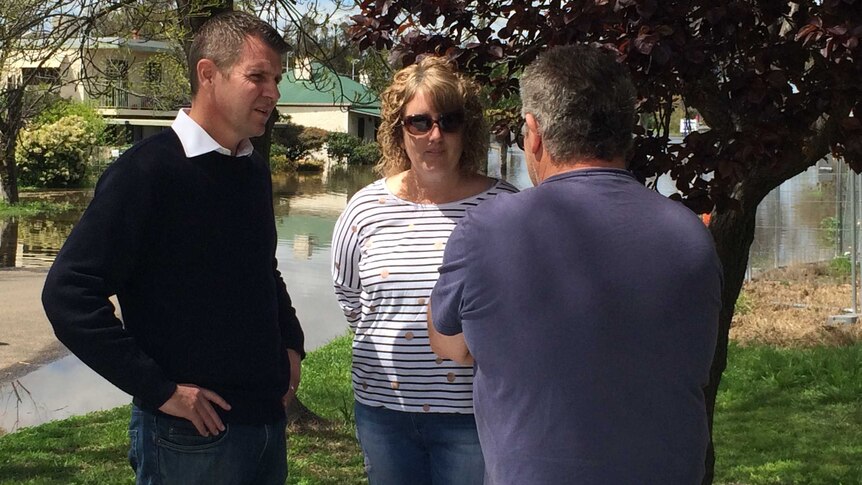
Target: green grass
<point>92,449</point>
<point>33,208</point>
<point>790,416</point>
<point>743,304</point>
<point>840,267</point>
<point>326,454</point>
<point>784,416</point>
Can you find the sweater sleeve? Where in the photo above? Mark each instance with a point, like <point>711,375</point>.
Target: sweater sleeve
<point>291,331</point>
<point>97,259</point>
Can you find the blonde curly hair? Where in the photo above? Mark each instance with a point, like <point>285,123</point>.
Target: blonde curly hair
<point>448,91</point>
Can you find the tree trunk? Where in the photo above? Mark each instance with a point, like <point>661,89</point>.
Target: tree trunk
<point>8,242</point>
<point>299,415</point>
<point>8,141</point>
<point>263,143</point>
<point>504,159</point>
<point>9,180</point>
<point>733,232</point>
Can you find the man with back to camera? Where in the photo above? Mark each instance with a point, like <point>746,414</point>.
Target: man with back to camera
<point>589,303</point>
<point>181,229</point>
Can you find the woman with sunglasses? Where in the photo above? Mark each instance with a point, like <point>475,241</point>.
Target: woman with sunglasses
<point>414,411</point>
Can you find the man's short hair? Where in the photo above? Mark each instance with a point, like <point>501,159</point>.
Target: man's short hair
<point>220,40</point>
<point>583,101</point>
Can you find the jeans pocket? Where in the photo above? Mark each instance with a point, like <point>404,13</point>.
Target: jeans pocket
<point>181,435</point>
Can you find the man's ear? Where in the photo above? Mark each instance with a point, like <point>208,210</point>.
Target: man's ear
<point>533,142</point>
<point>207,71</point>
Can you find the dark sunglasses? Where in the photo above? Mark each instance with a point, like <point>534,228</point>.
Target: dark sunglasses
<point>422,124</point>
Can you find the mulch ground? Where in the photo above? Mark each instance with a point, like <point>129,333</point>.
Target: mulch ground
<point>790,307</point>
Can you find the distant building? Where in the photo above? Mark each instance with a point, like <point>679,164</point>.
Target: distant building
<point>313,95</point>
<point>128,83</point>
<point>121,78</point>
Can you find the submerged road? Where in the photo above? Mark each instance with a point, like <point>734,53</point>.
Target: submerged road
<point>26,338</point>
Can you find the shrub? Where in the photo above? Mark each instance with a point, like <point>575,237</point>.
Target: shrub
<point>364,154</point>
<point>840,267</point>
<point>280,160</point>
<point>309,165</point>
<point>829,229</point>
<point>345,147</point>
<point>298,141</point>
<point>743,304</point>
<point>56,154</point>
<point>62,108</point>
<point>340,146</point>
<point>312,138</point>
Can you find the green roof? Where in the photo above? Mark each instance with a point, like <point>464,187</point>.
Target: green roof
<point>326,88</point>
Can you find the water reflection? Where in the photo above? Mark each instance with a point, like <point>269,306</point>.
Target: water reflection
<point>56,391</point>
<point>8,242</point>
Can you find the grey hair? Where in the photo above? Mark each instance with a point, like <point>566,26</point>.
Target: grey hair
<point>220,40</point>
<point>583,101</point>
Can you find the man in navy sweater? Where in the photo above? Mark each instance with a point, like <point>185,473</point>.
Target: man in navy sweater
<point>181,230</point>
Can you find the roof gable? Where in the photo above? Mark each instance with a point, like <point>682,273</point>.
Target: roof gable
<point>326,88</point>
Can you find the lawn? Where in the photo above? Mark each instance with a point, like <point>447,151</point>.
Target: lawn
<point>790,416</point>
<point>785,416</point>
<point>33,208</point>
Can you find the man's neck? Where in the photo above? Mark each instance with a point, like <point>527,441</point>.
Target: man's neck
<point>549,169</point>
<point>205,121</point>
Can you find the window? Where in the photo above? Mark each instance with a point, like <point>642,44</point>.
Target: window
<point>116,93</point>
<point>34,76</point>
<point>153,72</point>
<point>117,70</point>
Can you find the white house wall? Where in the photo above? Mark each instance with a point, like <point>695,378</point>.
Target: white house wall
<point>71,67</point>
<point>370,128</point>
<point>329,118</point>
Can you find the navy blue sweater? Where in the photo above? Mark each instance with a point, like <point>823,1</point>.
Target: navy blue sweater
<point>188,247</point>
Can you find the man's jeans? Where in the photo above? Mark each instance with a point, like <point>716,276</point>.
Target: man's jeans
<point>167,450</point>
<point>419,448</point>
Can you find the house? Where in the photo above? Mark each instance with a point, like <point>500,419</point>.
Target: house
<point>313,95</point>
<point>138,85</point>
<point>124,79</point>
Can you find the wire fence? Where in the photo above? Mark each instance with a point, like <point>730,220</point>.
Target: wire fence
<point>805,220</point>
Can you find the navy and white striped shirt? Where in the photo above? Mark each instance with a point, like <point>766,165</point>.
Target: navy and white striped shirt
<point>385,255</point>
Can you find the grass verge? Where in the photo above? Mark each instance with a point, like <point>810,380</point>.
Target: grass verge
<point>784,416</point>
<point>33,208</point>
<point>92,449</point>
<point>790,416</point>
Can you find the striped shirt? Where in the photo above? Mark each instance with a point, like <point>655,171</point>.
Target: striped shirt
<point>385,255</point>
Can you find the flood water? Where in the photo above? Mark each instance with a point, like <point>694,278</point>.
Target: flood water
<point>306,207</point>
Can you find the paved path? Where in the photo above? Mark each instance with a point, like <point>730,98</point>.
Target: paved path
<point>26,338</point>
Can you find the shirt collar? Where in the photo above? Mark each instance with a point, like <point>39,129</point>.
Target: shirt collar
<point>590,172</point>
<point>196,141</point>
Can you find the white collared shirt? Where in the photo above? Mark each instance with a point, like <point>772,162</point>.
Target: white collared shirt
<point>196,141</point>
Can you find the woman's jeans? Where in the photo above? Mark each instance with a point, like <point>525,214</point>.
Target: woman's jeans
<point>419,448</point>
<point>168,450</point>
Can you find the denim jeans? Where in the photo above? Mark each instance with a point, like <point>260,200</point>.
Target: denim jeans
<point>166,450</point>
<point>419,448</point>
